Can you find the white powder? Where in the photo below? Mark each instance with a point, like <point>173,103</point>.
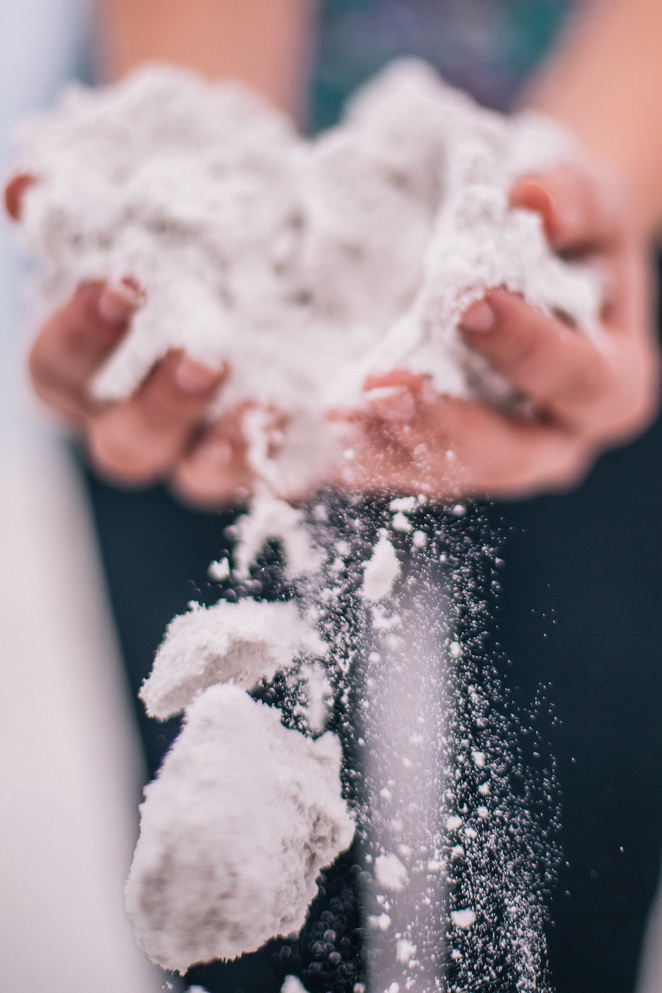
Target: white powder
<point>219,571</point>
<point>239,643</point>
<point>401,522</point>
<point>212,876</point>
<point>271,519</point>
<point>320,696</point>
<point>292,985</point>
<point>404,950</point>
<point>463,918</point>
<point>304,264</point>
<point>381,571</point>
<point>477,241</point>
<point>390,872</point>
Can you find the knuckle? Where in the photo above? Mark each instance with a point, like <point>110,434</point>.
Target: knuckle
<point>519,346</point>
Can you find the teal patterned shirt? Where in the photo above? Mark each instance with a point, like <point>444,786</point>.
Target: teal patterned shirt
<point>485,46</point>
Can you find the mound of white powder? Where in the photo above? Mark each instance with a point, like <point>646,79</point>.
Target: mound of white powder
<point>305,264</point>
<point>241,643</point>
<point>241,818</point>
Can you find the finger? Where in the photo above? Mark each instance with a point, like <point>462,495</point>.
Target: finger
<point>15,190</point>
<point>215,472</point>
<point>582,206</point>
<point>137,442</point>
<point>561,371</point>
<point>74,343</point>
<point>464,448</point>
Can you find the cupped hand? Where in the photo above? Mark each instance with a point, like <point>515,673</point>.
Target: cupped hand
<point>584,396</point>
<point>162,432</point>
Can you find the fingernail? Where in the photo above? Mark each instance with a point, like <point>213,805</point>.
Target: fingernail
<point>531,194</point>
<point>117,305</point>
<point>193,378</point>
<point>480,317</point>
<point>392,403</point>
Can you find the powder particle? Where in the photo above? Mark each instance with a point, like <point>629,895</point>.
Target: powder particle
<point>381,571</point>
<point>241,643</point>
<point>401,522</point>
<point>219,571</point>
<point>463,918</point>
<point>419,539</point>
<point>320,696</point>
<point>404,950</point>
<point>212,876</point>
<point>271,519</point>
<point>292,985</point>
<point>390,873</point>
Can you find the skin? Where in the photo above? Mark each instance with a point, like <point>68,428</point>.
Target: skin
<point>583,398</point>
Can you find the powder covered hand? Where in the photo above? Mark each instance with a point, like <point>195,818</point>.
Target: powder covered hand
<point>158,433</point>
<point>582,397</point>
<point>145,438</point>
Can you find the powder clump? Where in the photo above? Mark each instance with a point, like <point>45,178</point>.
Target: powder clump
<point>381,571</point>
<point>212,877</point>
<point>241,643</point>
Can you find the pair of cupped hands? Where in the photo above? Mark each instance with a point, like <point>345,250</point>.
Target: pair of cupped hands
<point>583,396</point>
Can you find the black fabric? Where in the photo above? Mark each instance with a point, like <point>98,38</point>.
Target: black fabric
<point>580,609</point>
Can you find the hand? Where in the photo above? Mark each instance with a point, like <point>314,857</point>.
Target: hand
<point>585,397</point>
<point>159,433</point>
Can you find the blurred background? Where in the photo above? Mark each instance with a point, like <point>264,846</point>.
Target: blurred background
<point>579,609</point>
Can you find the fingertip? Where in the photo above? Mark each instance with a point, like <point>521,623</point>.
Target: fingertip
<point>479,318</point>
<point>557,199</point>
<point>530,193</point>
<point>193,379</point>
<point>117,304</point>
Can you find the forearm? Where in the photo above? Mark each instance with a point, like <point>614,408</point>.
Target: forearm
<point>604,81</point>
<point>262,43</point>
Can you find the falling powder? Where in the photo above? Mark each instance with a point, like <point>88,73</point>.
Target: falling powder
<point>212,876</point>
<point>381,571</point>
<point>390,872</point>
<point>463,918</point>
